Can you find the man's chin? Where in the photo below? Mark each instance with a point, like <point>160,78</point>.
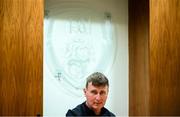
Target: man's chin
<point>97,107</point>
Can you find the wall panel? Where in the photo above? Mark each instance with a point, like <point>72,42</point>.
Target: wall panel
<point>21,56</point>
<point>164,57</point>
<point>138,57</point>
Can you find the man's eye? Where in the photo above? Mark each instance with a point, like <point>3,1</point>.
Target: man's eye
<point>102,93</point>
<point>94,92</point>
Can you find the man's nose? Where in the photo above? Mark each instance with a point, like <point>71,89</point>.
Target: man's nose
<point>98,97</point>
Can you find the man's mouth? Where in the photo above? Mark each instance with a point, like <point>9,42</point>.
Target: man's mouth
<point>97,103</point>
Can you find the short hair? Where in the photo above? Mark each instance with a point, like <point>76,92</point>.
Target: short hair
<point>97,79</point>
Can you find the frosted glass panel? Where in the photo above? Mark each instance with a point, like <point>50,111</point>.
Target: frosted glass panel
<point>81,37</point>
<point>77,41</point>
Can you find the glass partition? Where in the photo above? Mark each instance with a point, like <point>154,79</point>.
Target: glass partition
<point>79,39</point>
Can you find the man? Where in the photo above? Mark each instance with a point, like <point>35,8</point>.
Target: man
<point>96,92</point>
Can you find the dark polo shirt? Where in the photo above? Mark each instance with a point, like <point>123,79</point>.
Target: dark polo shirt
<point>83,110</point>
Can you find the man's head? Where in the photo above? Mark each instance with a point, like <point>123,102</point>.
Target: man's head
<point>96,91</point>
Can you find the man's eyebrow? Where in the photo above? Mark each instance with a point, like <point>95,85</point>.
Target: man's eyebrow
<point>94,90</point>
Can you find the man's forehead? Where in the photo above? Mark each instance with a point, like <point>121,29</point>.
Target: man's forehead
<point>90,85</point>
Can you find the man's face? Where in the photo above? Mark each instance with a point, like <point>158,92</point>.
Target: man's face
<point>96,96</point>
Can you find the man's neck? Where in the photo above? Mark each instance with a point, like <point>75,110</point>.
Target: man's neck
<point>97,112</point>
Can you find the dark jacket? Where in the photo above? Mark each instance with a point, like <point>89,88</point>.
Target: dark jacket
<point>83,110</point>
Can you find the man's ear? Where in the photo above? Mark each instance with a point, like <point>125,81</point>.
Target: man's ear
<point>84,91</point>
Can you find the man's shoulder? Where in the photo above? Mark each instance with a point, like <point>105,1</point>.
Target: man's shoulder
<point>77,111</point>
<point>107,112</point>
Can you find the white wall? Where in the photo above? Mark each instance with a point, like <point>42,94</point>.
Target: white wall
<point>57,100</point>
